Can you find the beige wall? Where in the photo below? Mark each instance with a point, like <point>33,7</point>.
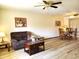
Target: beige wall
<point>66,21</point>
<point>41,24</point>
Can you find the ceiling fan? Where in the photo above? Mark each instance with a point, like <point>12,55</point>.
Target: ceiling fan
<point>49,4</point>
<point>76,14</point>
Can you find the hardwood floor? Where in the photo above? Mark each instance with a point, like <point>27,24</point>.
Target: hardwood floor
<point>53,49</point>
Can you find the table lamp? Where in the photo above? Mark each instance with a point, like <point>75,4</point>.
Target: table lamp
<point>2,35</point>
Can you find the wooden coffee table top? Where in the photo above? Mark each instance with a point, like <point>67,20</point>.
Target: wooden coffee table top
<point>36,42</point>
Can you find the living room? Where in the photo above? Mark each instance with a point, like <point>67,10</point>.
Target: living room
<point>40,22</point>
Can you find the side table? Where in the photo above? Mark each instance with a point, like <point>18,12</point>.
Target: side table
<point>6,44</point>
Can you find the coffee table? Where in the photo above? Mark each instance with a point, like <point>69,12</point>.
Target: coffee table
<point>34,47</point>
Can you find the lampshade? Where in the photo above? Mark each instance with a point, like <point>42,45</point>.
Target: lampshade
<point>2,34</point>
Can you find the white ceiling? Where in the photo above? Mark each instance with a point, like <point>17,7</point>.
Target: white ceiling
<point>65,7</point>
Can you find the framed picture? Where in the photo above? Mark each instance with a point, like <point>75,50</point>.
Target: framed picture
<point>20,22</point>
<point>58,23</point>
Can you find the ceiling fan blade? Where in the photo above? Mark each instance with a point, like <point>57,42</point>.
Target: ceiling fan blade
<point>56,3</point>
<point>44,8</point>
<point>54,6</point>
<point>39,5</point>
<point>45,2</point>
<point>76,14</point>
